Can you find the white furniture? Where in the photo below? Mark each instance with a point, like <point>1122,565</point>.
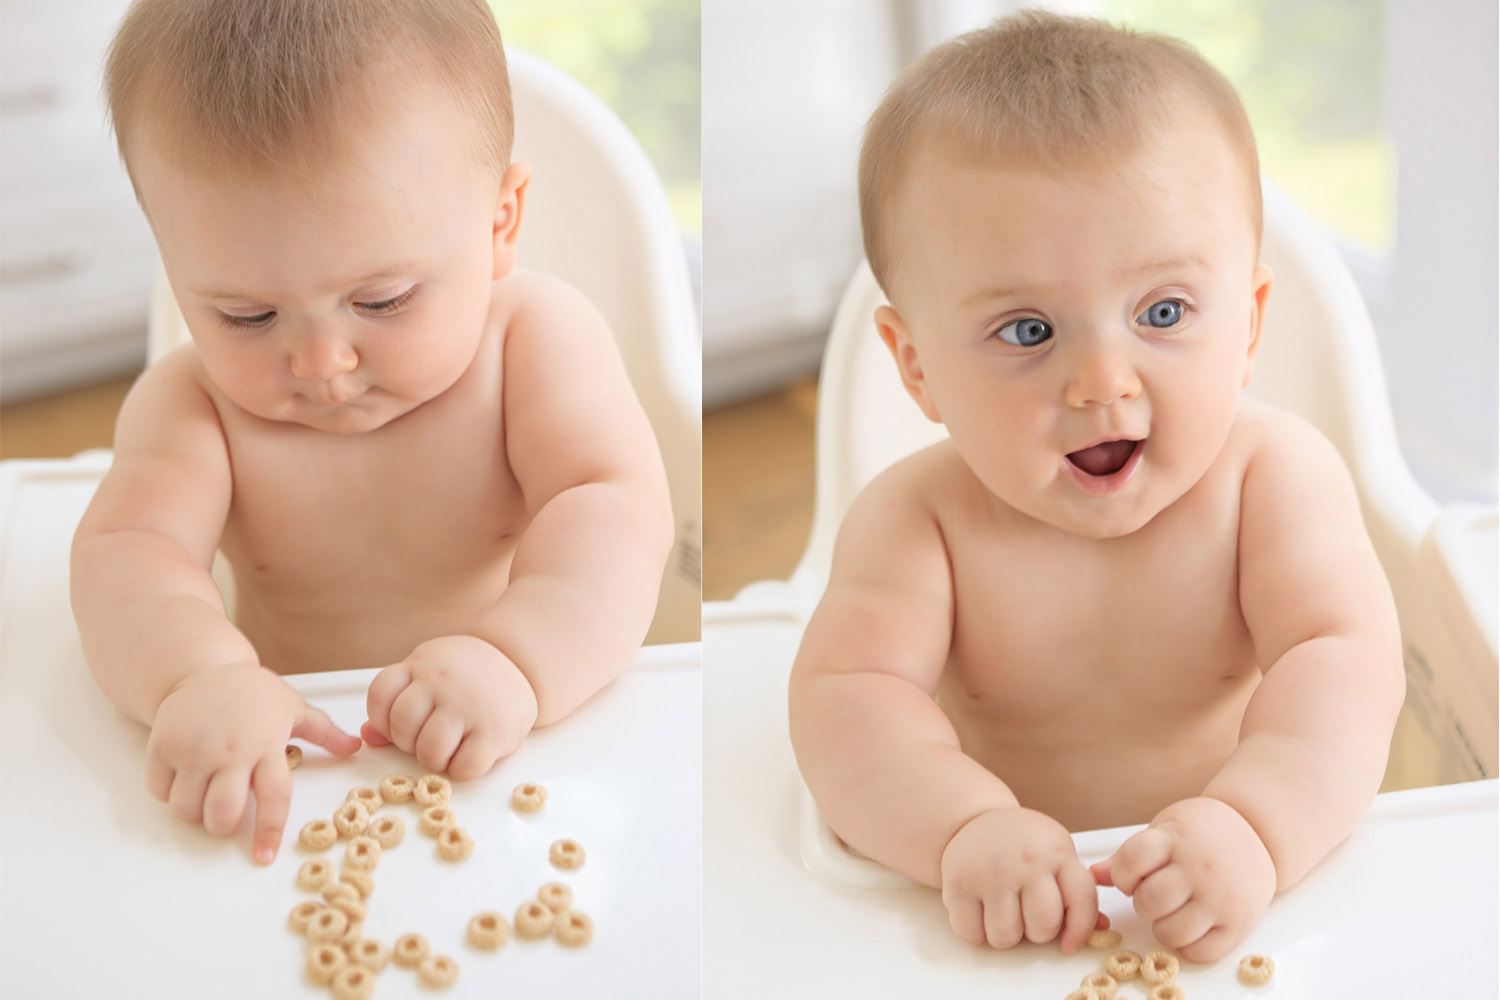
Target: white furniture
<point>103,893</point>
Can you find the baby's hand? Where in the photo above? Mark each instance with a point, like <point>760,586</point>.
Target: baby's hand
<point>456,702</point>
<point>1198,873</point>
<point>221,733</point>
<point>1013,873</point>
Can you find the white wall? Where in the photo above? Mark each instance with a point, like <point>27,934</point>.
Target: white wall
<point>76,256</point>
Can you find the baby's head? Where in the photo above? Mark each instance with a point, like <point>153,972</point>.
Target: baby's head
<point>1065,217</point>
<point>330,186</point>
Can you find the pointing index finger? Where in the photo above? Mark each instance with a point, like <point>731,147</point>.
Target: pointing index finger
<point>272,784</point>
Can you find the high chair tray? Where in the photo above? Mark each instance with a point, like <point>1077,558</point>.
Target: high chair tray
<point>1406,907</point>
<point>103,893</point>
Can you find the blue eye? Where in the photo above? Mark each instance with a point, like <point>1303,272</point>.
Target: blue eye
<point>1026,332</point>
<point>1167,312</point>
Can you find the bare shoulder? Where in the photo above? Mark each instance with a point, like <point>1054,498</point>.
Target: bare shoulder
<point>535,301</point>
<point>171,407</point>
<point>1269,435</point>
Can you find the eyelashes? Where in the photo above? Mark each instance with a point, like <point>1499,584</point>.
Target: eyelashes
<point>382,308</point>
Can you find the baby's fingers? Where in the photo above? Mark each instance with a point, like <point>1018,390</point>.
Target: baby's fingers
<point>1137,858</point>
<point>966,917</point>
<point>224,803</point>
<point>439,738</point>
<point>315,726</point>
<point>272,784</point>
<point>1042,908</point>
<point>1080,900</point>
<point>381,697</point>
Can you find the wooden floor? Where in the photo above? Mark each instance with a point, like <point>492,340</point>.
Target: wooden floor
<point>757,488</point>
<point>64,424</point>
<point>757,471</point>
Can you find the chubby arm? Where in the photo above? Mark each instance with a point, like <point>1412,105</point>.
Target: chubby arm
<point>882,759</point>
<point>586,571</point>
<point>1317,732</point>
<point>153,626</point>
<point>148,612</point>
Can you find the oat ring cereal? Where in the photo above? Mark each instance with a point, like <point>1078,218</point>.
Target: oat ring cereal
<point>354,909</point>
<point>566,854</point>
<point>388,830</point>
<point>1082,995</point>
<point>1159,968</point>
<point>438,970</point>
<point>339,890</point>
<point>397,788</point>
<point>302,914</point>
<point>367,797</point>
<point>528,798</point>
<point>557,896</point>
<point>317,835</point>
<point>574,929</point>
<point>315,874</point>
<point>327,924</point>
<point>351,819</point>
<point>410,949</point>
<point>1166,991</point>
<point>358,881</point>
<point>362,854</point>
<point>432,790</point>
<point>371,954</point>
<point>488,931</point>
<point>1123,965</point>
<point>1255,970</point>
<point>455,844</point>
<point>436,819</point>
<point>353,982</point>
<point>323,960</point>
<point>1104,939</point>
<point>293,757</point>
<point>533,920</point>
<point>1103,985</point>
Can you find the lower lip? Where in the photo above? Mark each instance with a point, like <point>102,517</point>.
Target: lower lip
<point>1115,481</point>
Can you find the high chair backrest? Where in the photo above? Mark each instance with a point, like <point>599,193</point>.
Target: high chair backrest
<point>596,215</point>
<point>1317,358</point>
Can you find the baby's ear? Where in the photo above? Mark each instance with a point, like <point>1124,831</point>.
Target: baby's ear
<point>508,217</point>
<point>1260,288</point>
<point>898,338</point>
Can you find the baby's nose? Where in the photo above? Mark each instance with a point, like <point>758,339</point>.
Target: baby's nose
<point>1101,377</point>
<point>323,357</point>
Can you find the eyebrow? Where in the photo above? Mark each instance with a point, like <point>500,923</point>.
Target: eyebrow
<point>395,270</point>
<point>1186,262</point>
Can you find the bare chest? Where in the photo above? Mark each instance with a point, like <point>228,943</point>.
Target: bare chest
<point>1060,632</point>
<point>421,513</point>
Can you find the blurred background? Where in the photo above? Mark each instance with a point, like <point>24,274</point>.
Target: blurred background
<point>76,256</point>
<point>1378,117</point>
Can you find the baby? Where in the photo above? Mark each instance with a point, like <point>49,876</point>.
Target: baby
<point>1119,592</point>
<point>414,455</point>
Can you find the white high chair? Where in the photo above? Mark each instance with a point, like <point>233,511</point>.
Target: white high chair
<point>872,926</point>
<point>596,215</point>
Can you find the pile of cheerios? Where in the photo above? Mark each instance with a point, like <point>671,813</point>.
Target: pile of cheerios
<point>338,954</point>
<point>1157,971</point>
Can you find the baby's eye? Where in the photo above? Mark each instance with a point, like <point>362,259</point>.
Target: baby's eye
<point>1167,312</point>
<point>247,321</point>
<point>1026,332</point>
<point>388,305</point>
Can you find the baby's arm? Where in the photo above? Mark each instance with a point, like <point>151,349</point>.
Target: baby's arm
<point>882,759</point>
<point>1317,732</point>
<point>586,571</point>
<point>152,622</point>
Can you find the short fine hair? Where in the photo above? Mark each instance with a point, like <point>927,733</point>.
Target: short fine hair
<point>1039,88</point>
<point>259,85</point>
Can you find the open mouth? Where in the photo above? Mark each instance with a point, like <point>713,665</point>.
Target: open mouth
<point>1104,459</point>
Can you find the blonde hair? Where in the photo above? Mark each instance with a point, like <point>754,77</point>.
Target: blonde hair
<point>260,86</point>
<point>1042,88</point>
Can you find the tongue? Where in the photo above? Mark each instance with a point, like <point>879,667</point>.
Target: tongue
<point>1103,459</point>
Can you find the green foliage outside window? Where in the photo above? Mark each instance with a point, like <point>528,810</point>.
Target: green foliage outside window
<point>1310,75</point>
<point>641,57</point>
